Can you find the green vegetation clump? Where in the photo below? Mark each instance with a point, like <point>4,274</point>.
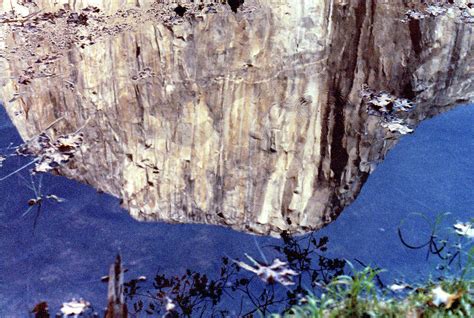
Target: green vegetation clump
<point>358,296</point>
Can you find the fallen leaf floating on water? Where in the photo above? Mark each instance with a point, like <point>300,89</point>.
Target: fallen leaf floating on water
<point>464,229</point>
<point>467,14</point>
<point>278,271</point>
<point>436,10</point>
<point>389,107</point>
<point>441,297</point>
<point>397,126</point>
<point>382,100</point>
<point>75,307</point>
<point>414,15</point>
<point>55,198</point>
<point>384,103</point>
<point>402,104</point>
<point>51,159</point>
<point>67,143</point>
<point>398,287</point>
<point>463,10</point>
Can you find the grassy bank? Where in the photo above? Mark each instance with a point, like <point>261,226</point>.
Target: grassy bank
<point>358,296</point>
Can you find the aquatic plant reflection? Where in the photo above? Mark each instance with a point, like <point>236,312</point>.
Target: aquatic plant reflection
<point>236,292</point>
<point>441,244</point>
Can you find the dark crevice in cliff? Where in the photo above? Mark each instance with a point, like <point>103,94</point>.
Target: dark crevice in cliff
<point>336,209</point>
<point>455,57</point>
<point>360,14</point>
<point>137,51</point>
<point>339,154</point>
<point>140,103</point>
<point>373,7</point>
<point>415,36</point>
<point>288,192</point>
<point>323,145</point>
<point>407,90</point>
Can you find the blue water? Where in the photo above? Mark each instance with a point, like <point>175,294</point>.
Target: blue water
<point>428,172</point>
<point>74,242</point>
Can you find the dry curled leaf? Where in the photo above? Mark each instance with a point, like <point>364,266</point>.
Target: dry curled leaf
<point>441,297</point>
<point>75,307</point>
<point>278,271</point>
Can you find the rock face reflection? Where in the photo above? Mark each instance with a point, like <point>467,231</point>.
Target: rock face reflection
<point>251,119</point>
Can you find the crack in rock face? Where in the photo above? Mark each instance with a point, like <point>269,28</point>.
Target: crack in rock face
<point>263,116</point>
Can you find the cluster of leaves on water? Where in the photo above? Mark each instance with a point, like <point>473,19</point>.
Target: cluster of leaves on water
<point>49,153</point>
<point>462,10</point>
<point>389,107</point>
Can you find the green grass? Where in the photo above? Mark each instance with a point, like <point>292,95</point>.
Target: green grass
<point>358,296</point>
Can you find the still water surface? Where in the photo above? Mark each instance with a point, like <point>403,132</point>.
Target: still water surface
<point>73,243</point>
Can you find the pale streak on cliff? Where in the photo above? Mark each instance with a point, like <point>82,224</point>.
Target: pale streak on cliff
<point>250,120</point>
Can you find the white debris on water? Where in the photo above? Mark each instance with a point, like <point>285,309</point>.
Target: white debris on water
<point>436,10</point>
<point>397,126</point>
<point>74,307</point>
<point>464,229</point>
<point>55,198</point>
<point>442,297</point>
<point>170,306</point>
<point>414,15</point>
<point>398,287</point>
<point>403,104</point>
<point>462,10</point>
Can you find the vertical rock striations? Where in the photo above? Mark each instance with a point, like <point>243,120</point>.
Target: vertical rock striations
<point>251,119</point>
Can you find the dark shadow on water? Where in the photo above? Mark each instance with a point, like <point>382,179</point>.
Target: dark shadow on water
<point>73,242</point>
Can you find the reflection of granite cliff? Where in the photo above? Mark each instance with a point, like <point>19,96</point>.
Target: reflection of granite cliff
<point>251,120</point>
